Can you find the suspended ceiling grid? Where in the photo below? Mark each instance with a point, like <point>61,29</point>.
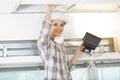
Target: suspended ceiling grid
<point>70,6</point>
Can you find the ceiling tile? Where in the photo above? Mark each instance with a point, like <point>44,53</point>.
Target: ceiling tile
<point>6,6</point>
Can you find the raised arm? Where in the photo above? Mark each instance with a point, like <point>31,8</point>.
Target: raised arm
<point>45,30</point>
<point>49,11</point>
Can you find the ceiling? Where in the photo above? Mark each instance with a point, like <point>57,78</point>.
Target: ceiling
<point>69,6</point>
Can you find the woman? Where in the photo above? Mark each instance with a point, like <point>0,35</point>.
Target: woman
<point>52,51</point>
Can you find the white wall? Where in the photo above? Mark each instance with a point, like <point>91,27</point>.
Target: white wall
<point>101,24</point>
<point>27,26</point>
<point>19,26</point>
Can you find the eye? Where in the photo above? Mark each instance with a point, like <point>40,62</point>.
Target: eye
<point>55,24</point>
<point>62,25</point>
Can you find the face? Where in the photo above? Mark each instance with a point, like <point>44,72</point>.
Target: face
<point>57,27</point>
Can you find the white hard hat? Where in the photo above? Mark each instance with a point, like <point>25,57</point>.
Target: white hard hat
<point>57,15</point>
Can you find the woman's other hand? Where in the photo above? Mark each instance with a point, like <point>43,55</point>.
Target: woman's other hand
<point>80,49</point>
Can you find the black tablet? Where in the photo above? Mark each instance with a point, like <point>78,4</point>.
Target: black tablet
<point>90,42</point>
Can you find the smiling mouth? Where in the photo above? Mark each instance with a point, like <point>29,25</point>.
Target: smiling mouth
<point>58,31</point>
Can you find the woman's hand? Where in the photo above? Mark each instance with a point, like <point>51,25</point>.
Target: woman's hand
<point>49,11</point>
<point>80,49</point>
<point>52,6</point>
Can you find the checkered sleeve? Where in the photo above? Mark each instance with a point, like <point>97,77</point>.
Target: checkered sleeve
<point>44,34</point>
<point>71,66</point>
<point>43,40</point>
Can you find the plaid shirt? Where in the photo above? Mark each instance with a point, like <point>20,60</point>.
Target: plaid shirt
<point>53,55</point>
